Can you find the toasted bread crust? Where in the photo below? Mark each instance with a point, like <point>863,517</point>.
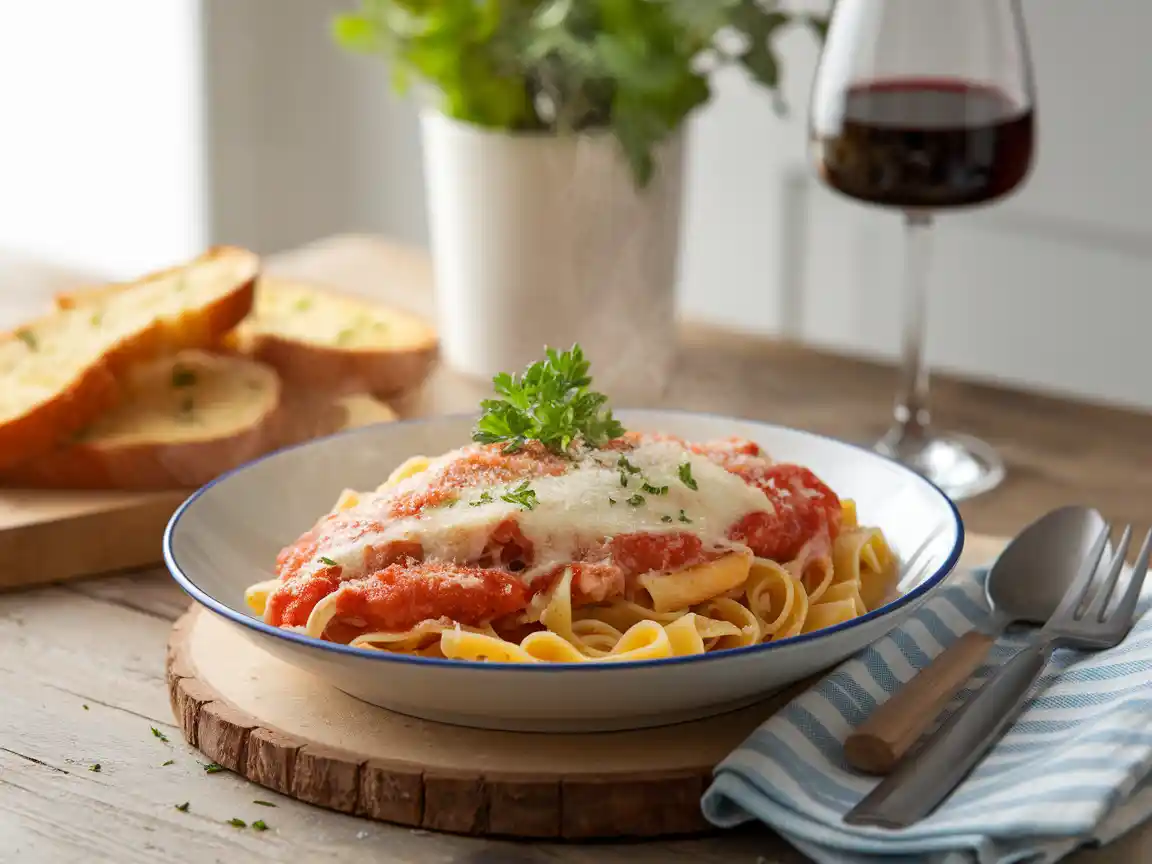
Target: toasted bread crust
<point>140,467</point>
<point>93,392</point>
<point>341,371</point>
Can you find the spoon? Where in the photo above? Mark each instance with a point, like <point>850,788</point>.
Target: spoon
<point>1024,586</point>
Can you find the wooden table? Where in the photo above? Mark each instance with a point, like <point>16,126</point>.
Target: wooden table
<point>81,665</point>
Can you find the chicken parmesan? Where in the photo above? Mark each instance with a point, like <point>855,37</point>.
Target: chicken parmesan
<point>593,543</point>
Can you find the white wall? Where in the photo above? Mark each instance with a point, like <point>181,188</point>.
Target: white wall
<point>100,145</point>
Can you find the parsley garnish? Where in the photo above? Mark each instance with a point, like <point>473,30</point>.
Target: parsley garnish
<point>636,500</point>
<point>259,825</point>
<point>625,465</point>
<point>522,495</point>
<point>686,476</point>
<point>158,734</point>
<point>345,336</point>
<point>623,479</point>
<point>653,490</point>
<point>182,377</point>
<point>612,501</point>
<point>326,560</point>
<point>183,808</point>
<point>237,823</point>
<point>684,518</point>
<point>94,767</point>
<point>212,768</point>
<point>303,304</point>
<point>264,803</point>
<point>28,338</point>
<point>665,518</point>
<point>550,403</point>
<point>96,318</point>
<point>85,707</point>
<point>485,498</point>
<point>169,762</point>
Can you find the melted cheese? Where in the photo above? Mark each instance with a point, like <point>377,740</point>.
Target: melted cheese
<point>581,507</point>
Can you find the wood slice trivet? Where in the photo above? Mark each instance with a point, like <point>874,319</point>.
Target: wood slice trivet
<point>288,730</point>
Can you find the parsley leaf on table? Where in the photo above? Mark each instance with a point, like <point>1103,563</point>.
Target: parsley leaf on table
<point>549,402</point>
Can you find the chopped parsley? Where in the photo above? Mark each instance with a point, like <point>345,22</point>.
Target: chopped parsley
<point>96,318</point>
<point>237,823</point>
<point>684,518</point>
<point>625,465</point>
<point>549,402</point>
<point>665,518</point>
<point>211,767</point>
<point>259,825</point>
<point>169,762</point>
<point>345,336</point>
<point>182,376</point>
<point>653,490</point>
<point>263,803</point>
<point>85,707</point>
<point>686,476</point>
<point>28,338</point>
<point>324,559</point>
<point>636,500</point>
<point>623,480</point>
<point>183,808</point>
<point>156,733</point>
<point>303,304</point>
<point>485,498</point>
<point>612,501</point>
<point>94,767</point>
<point>522,495</point>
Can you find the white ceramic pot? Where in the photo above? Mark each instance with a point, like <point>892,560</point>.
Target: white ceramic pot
<point>543,240</point>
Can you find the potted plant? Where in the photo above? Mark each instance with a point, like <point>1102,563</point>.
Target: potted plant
<point>554,162</point>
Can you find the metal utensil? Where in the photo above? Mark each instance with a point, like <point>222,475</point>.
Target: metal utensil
<point>1024,586</point>
<point>921,782</point>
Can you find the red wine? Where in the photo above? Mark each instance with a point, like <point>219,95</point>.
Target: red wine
<point>927,143</point>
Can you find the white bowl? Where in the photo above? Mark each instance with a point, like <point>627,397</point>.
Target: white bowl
<point>227,535</point>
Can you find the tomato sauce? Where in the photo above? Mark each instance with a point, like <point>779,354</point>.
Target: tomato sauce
<point>401,589</point>
<point>400,596</point>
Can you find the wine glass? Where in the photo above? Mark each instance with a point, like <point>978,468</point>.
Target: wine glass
<point>925,105</point>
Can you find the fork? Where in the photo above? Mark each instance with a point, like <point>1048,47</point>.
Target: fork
<point>925,778</point>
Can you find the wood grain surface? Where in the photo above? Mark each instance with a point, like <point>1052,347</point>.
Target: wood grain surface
<point>1057,451</point>
<point>100,642</point>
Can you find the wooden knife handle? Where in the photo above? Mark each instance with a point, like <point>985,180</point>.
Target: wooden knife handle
<point>884,738</point>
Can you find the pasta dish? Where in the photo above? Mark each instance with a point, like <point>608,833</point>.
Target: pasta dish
<point>611,545</point>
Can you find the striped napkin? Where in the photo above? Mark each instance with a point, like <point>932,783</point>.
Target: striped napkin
<point>1075,768</point>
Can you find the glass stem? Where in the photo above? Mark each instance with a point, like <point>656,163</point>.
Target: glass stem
<point>911,412</point>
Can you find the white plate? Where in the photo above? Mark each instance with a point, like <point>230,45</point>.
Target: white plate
<point>227,535</point>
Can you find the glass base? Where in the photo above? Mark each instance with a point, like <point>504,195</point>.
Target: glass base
<point>960,465</point>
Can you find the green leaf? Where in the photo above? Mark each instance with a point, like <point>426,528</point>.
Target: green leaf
<point>550,403</point>
<point>818,24</point>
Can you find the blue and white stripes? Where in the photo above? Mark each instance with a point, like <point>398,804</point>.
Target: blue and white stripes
<point>1075,768</point>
